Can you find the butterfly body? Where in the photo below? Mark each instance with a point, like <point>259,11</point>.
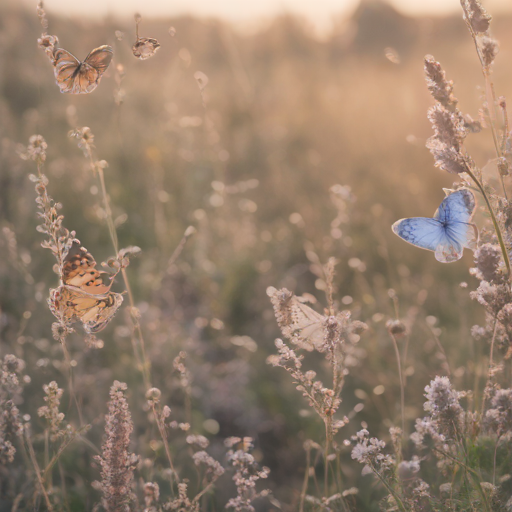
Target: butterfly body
<point>448,232</point>
<point>83,296</point>
<point>76,77</point>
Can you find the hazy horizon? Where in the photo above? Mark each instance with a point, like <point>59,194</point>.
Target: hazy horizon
<point>320,13</point>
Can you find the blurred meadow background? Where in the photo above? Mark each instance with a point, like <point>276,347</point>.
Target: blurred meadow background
<point>282,147</point>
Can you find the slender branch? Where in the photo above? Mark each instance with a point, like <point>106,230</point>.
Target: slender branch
<point>38,471</point>
<point>402,391</point>
<point>489,87</point>
<point>497,228</point>
<point>163,435</point>
<point>306,479</point>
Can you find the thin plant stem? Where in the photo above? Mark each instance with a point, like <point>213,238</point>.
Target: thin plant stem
<point>489,374</point>
<point>474,475</point>
<point>163,435</point>
<point>497,228</point>
<point>306,480</point>
<point>38,472</point>
<point>390,490</point>
<point>489,90</point>
<point>145,365</point>
<point>56,457</point>
<point>70,379</point>
<point>441,348</point>
<point>494,461</point>
<point>402,391</point>
<point>328,431</point>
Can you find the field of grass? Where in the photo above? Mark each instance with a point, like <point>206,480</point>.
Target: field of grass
<point>281,150</point>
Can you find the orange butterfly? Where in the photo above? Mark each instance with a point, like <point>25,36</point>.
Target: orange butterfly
<point>83,295</point>
<point>81,77</point>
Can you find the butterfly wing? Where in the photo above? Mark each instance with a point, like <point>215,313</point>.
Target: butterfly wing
<point>79,270</point>
<point>70,304</point>
<point>83,295</point>
<point>456,212</point>
<point>100,58</point>
<point>97,318</point>
<point>459,206</point>
<point>66,69</point>
<point>420,231</point>
<point>448,232</point>
<point>92,69</point>
<point>78,77</point>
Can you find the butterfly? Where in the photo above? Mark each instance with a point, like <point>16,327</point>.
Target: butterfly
<point>302,324</point>
<point>81,77</point>
<point>83,296</point>
<point>448,232</point>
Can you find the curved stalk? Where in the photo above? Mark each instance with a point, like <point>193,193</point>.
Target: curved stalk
<point>497,228</point>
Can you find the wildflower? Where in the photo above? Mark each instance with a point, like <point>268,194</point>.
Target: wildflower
<point>440,88</point>
<point>49,44</point>
<point>247,473</point>
<point>182,501</point>
<point>10,427</point>
<point>488,264</point>
<point>368,451</point>
<point>153,395</point>
<point>117,463</point>
<point>446,158</point>
<point>443,405</point>
<point>145,47</point>
<point>151,496</point>
<point>36,149</point>
<point>10,420</point>
<point>489,48</point>
<point>85,139</point>
<point>448,126</point>
<point>503,166</point>
<point>499,416</point>
<point>493,296</point>
<point>213,467</point>
<point>61,331</point>
<point>408,469</point>
<point>396,328</point>
<point>425,430</point>
<point>477,16</point>
<point>50,411</point>
<point>200,441</point>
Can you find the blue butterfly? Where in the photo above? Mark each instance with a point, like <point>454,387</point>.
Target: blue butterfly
<point>448,232</point>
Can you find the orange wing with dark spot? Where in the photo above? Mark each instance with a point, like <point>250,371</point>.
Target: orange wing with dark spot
<point>83,296</point>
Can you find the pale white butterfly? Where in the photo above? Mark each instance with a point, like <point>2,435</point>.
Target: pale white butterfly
<point>448,232</point>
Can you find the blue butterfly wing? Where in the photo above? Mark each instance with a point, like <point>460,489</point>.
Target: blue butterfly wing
<point>448,232</point>
<point>459,206</point>
<point>420,231</point>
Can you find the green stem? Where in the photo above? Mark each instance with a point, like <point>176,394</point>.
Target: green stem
<point>494,221</point>
<point>391,491</point>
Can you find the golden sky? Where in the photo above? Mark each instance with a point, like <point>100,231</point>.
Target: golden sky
<point>319,12</point>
